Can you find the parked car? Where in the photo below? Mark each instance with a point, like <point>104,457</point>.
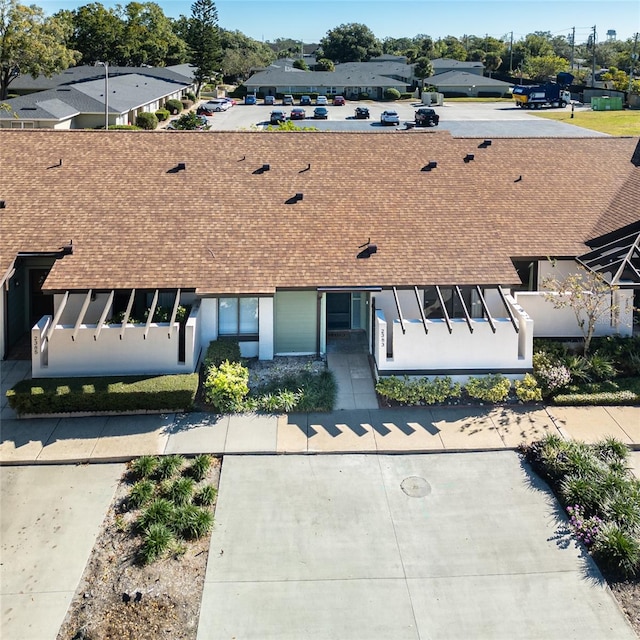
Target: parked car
<point>231,101</point>
<point>426,117</point>
<point>205,110</point>
<point>362,113</point>
<point>277,116</point>
<point>321,113</point>
<point>305,100</point>
<point>270,100</point>
<point>298,113</point>
<point>389,117</point>
<point>339,101</point>
<point>217,104</point>
<point>322,100</point>
<point>288,99</point>
<point>251,98</point>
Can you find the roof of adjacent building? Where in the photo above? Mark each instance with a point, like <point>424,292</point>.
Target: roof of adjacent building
<point>351,76</point>
<point>449,63</point>
<point>226,224</point>
<point>126,92</point>
<point>464,79</point>
<point>25,83</point>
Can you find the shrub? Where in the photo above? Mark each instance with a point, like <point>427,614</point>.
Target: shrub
<point>192,522</point>
<point>284,400</point>
<point>392,94</point>
<point>419,391</point>
<point>117,393</point>
<point>601,367</point>
<point>169,466</point>
<point>144,466</point>
<point>162,115</point>
<point>220,350</point>
<point>122,127</point>
<point>190,96</point>
<point>226,386</point>
<point>141,493</point>
<point>158,539</point>
<point>206,496</point>
<point>200,467</point>
<point>606,398</point>
<point>173,106</point>
<point>160,511</point>
<point>578,367</point>
<point>585,529</point>
<point>180,491</point>
<point>527,389</point>
<point>186,104</point>
<point>617,549</point>
<point>491,388</point>
<point>147,121</point>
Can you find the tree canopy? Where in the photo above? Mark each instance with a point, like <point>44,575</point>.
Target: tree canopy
<point>31,44</point>
<point>351,43</point>
<point>204,41</point>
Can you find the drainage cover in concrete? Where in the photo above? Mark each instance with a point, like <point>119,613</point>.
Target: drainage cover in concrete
<point>415,487</point>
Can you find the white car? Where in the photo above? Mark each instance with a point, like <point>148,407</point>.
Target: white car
<point>322,100</point>
<point>217,105</point>
<point>389,117</point>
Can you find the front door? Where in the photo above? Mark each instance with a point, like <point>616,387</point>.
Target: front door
<point>41,304</point>
<point>338,311</point>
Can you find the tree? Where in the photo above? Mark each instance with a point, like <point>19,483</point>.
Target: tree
<point>544,67</point>
<point>324,64</point>
<point>241,54</point>
<point>204,41</point>
<point>616,79</point>
<point>31,44</point>
<point>300,64</point>
<point>492,62</point>
<point>188,122</point>
<point>587,294</point>
<point>96,33</point>
<point>351,43</point>
<point>423,69</point>
<point>450,47</point>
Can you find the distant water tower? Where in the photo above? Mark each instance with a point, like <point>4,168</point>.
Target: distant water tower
<point>611,35</point>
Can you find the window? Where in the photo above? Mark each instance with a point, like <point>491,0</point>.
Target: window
<point>238,316</point>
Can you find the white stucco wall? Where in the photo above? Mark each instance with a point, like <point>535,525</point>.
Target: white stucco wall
<point>74,305</point>
<point>265,328</point>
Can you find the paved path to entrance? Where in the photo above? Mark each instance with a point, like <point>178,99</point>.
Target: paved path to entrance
<point>465,546</point>
<point>354,381</point>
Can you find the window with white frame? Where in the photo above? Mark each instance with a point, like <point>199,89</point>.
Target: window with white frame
<point>238,316</point>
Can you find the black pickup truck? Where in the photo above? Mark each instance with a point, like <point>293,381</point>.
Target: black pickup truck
<point>426,118</point>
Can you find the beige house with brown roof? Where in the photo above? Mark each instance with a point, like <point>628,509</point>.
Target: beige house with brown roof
<point>432,247</point>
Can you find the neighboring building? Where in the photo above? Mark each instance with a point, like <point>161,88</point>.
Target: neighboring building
<point>349,81</point>
<point>463,83</point>
<point>434,247</point>
<point>444,65</point>
<point>75,98</point>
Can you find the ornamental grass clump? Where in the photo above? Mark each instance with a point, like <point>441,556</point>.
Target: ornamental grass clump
<point>169,466</point>
<point>158,539</point>
<point>140,494</point>
<point>200,467</point>
<point>144,466</point>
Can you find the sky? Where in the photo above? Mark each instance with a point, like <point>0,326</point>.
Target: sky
<point>309,20</point>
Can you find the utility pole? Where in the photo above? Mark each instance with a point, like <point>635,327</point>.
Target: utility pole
<point>633,61</point>
<point>593,64</point>
<point>511,55</point>
<point>573,45</point>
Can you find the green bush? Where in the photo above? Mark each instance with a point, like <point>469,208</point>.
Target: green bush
<point>186,103</point>
<point>169,466</point>
<point>200,467</point>
<point>623,391</point>
<point>220,350</point>
<point>158,539</point>
<point>491,388</point>
<point>190,96</point>
<point>192,522</point>
<point>117,393</point>
<point>617,549</point>
<point>180,491</point>
<point>527,389</point>
<point>141,493</point>
<point>173,106</point>
<point>121,127</point>
<point>601,367</point>
<point>624,352</point>
<point>160,511</point>
<point>144,466</point>
<point>226,386</point>
<point>162,115</point>
<point>417,391</point>
<point>147,121</point>
<point>392,94</point>
<point>206,496</point>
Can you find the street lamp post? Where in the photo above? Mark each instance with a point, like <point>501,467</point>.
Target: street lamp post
<point>106,93</point>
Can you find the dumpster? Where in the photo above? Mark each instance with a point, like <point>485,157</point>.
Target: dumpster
<point>606,103</point>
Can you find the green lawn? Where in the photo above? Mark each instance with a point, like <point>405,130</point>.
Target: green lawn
<point>615,123</point>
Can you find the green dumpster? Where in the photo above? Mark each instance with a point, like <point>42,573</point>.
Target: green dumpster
<point>606,103</point>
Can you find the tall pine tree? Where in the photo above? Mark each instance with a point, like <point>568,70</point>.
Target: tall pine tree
<point>204,41</point>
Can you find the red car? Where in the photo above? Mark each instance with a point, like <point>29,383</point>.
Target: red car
<point>298,113</point>
<point>339,101</point>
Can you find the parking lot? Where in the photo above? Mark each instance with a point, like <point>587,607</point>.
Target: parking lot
<point>461,119</point>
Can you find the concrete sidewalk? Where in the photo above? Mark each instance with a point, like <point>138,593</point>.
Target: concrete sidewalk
<point>421,429</point>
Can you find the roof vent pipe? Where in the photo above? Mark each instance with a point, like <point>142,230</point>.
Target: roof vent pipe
<point>266,167</point>
<point>484,144</point>
<point>469,157</point>
<point>2,204</point>
<point>428,167</point>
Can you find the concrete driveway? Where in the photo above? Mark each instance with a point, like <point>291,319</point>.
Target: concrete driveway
<point>49,521</point>
<point>434,546</point>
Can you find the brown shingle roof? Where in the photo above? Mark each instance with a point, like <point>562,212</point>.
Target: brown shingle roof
<point>221,228</point>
